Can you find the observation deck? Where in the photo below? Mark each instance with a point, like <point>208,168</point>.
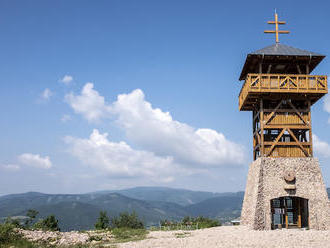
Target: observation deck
<point>281,86</point>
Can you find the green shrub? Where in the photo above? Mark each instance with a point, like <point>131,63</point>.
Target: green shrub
<point>126,220</point>
<point>14,222</point>
<point>102,221</point>
<point>7,233</point>
<point>48,224</point>
<point>204,222</point>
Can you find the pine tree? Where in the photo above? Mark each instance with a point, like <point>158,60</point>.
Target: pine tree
<point>102,221</point>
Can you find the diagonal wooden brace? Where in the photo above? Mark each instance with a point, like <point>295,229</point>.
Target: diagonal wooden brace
<point>298,142</point>
<point>297,112</point>
<point>273,113</point>
<point>275,142</point>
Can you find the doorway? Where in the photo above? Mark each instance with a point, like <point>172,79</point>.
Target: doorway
<point>289,212</point>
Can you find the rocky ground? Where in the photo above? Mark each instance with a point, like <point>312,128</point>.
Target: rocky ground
<point>233,236</point>
<point>225,236</point>
<point>67,238</point>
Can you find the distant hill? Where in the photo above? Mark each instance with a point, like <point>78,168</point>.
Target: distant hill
<point>182,197</point>
<point>80,211</point>
<point>71,215</point>
<point>224,208</point>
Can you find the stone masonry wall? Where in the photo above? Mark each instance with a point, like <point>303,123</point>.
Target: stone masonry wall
<point>265,182</point>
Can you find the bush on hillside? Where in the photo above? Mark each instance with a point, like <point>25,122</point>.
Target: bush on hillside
<point>14,222</point>
<point>206,222</point>
<point>7,233</point>
<point>48,224</point>
<point>102,221</point>
<point>126,220</point>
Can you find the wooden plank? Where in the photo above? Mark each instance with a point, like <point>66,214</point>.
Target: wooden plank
<point>298,142</point>
<point>275,142</point>
<point>269,143</point>
<point>299,115</point>
<point>287,110</point>
<point>310,128</point>
<point>262,127</point>
<point>274,111</point>
<point>291,126</point>
<point>256,115</point>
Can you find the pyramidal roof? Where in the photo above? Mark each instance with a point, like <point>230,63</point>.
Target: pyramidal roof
<point>280,49</point>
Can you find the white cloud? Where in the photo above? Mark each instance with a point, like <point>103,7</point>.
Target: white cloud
<point>119,159</point>
<point>35,160</point>
<point>67,79</point>
<point>89,103</point>
<point>327,103</point>
<point>10,167</point>
<point>155,130</point>
<point>321,147</point>
<point>46,94</point>
<point>65,118</point>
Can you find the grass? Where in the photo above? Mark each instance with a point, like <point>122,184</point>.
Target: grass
<point>9,238</point>
<point>182,235</point>
<point>127,234</point>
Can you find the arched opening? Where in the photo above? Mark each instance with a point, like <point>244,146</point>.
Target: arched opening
<point>289,212</point>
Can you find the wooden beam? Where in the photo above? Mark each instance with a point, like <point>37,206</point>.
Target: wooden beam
<point>269,68</point>
<point>269,143</point>
<point>256,115</point>
<point>296,111</point>
<point>287,110</point>
<point>298,142</point>
<point>298,69</point>
<point>310,127</point>
<point>275,142</point>
<point>274,111</point>
<point>291,126</point>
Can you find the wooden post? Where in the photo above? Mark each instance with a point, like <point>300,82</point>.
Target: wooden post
<point>286,219</point>
<point>310,128</point>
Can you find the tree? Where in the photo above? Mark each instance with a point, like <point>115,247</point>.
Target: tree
<point>127,220</point>
<point>32,214</point>
<point>48,224</point>
<point>14,222</point>
<point>102,221</point>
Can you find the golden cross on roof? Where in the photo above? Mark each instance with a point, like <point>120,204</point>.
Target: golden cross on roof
<point>276,31</point>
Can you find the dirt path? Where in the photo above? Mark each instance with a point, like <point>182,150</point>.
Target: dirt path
<point>230,236</point>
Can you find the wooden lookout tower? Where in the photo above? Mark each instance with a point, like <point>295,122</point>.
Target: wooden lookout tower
<point>279,90</point>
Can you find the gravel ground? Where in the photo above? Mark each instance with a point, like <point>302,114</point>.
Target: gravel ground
<point>233,236</point>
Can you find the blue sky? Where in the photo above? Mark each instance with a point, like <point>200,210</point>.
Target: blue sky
<point>176,65</point>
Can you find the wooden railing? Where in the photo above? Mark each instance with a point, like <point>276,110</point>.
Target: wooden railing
<point>283,83</point>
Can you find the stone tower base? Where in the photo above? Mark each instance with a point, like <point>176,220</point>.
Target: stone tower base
<point>266,181</point>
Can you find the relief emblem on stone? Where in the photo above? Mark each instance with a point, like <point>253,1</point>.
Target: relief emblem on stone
<point>289,176</point>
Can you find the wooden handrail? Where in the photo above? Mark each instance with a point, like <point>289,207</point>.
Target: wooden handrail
<point>283,83</point>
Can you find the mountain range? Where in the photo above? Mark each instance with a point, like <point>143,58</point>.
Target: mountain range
<point>152,204</point>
